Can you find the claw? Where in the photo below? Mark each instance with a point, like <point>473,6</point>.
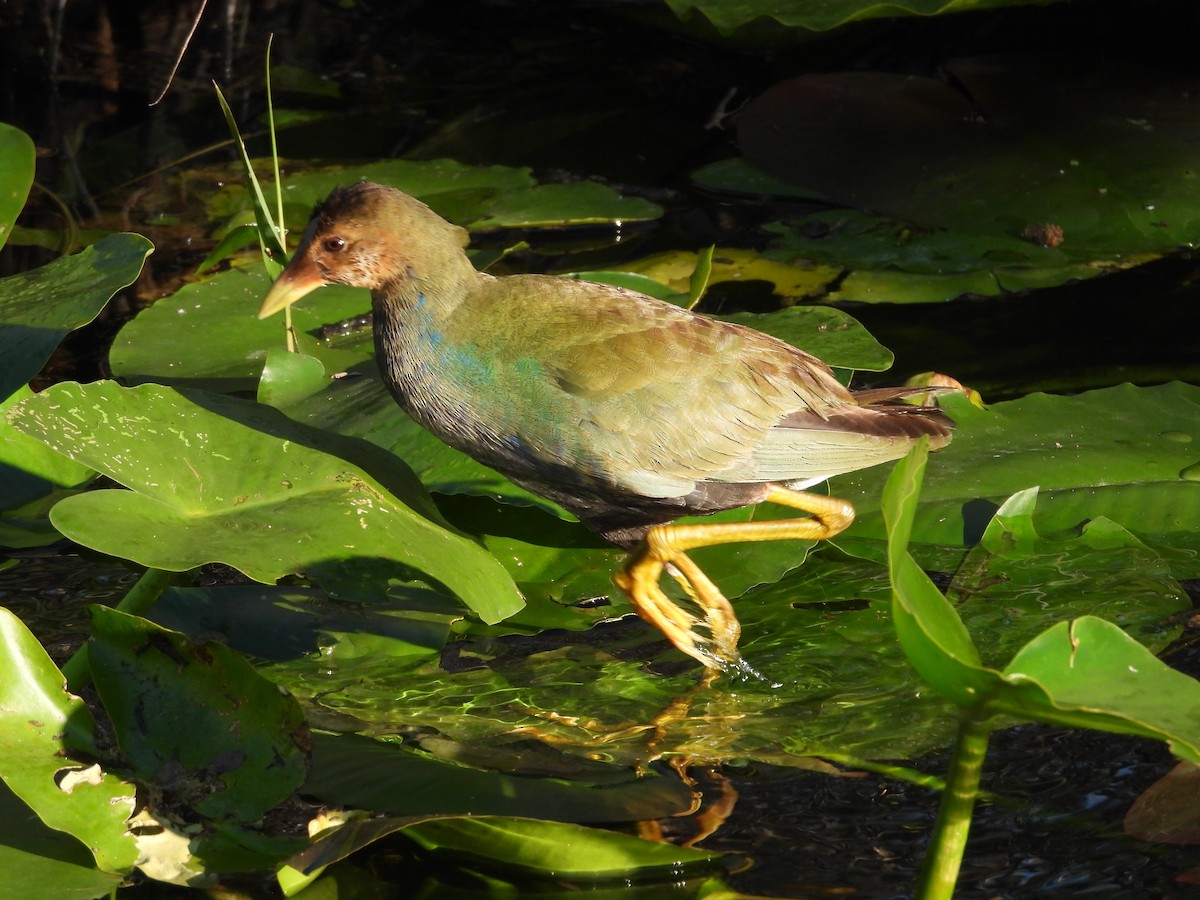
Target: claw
<point>665,546</point>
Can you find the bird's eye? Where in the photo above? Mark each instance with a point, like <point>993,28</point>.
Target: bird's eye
<point>334,244</point>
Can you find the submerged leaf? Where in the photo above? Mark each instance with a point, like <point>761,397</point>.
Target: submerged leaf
<point>556,850</point>
<point>351,770</point>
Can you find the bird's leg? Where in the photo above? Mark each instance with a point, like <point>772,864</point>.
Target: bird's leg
<point>668,544</point>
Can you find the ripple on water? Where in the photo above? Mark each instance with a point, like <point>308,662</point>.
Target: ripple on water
<point>51,592</point>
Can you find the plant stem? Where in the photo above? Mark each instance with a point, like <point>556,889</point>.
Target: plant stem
<point>143,595</point>
<point>939,872</point>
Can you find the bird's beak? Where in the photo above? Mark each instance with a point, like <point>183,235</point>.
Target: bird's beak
<point>300,277</point>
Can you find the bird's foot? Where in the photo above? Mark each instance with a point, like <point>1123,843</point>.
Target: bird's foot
<point>640,580</point>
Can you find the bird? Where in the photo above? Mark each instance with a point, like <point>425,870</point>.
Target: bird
<point>627,411</point>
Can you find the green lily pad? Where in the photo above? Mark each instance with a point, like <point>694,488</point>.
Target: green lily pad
<point>196,720</point>
<point>208,334</point>
<point>38,861</point>
<point>16,177</point>
<point>30,468</point>
<point>32,479</point>
<point>1123,453</point>
<point>888,260</point>
<point>39,308</point>
<point>729,17</point>
<point>289,377</point>
<point>41,728</point>
<point>242,484</point>
<point>480,198</point>
<point>1084,673</point>
<point>1103,571</point>
<point>729,264</point>
<point>1028,172</point>
<point>834,337</point>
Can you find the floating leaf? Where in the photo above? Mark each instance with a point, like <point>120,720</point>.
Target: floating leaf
<point>208,334</point>
<point>32,479</point>
<point>1090,167</point>
<point>480,198</point>
<point>1086,673</point>
<point>39,308</point>
<point>886,260</point>
<point>556,850</point>
<point>728,17</point>
<point>41,727</point>
<point>1122,453</point>
<point>218,479</point>
<point>289,377</point>
<point>38,861</point>
<point>16,177</point>
<point>196,720</point>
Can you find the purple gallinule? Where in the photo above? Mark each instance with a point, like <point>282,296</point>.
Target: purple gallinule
<point>627,411</point>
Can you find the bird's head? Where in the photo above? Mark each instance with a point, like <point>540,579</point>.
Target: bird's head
<point>367,235</point>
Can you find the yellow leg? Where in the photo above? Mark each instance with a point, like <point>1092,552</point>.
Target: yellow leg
<point>668,545</point>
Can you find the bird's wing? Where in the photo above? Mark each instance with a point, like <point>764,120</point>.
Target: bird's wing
<point>649,396</point>
<point>807,448</point>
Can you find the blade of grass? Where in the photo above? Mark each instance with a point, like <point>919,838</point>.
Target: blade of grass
<point>270,235</point>
<point>275,150</point>
<point>698,283</point>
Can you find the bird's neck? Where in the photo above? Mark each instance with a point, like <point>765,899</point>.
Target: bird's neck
<point>415,326</point>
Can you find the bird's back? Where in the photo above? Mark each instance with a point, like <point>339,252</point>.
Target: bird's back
<point>607,393</point>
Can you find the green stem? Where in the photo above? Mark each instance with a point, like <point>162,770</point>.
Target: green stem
<point>143,595</point>
<point>949,838</point>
